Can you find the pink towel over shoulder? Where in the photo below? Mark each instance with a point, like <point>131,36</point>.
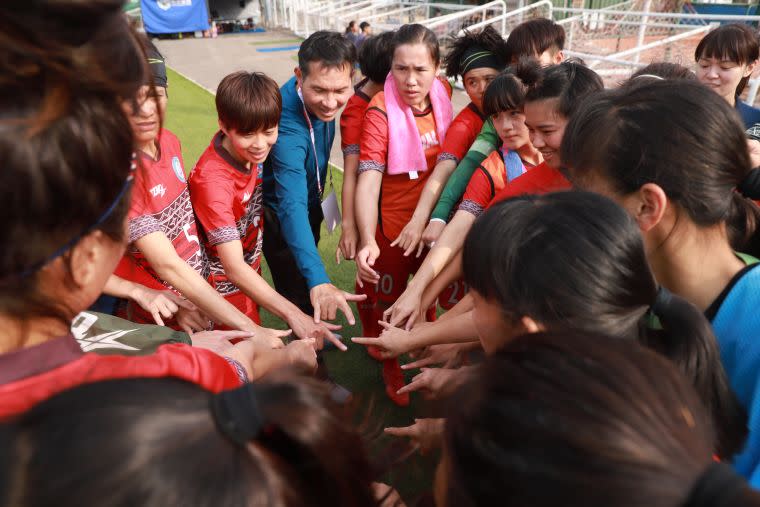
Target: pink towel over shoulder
<point>405,151</point>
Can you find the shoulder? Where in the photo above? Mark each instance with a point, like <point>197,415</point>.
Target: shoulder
<point>493,162</point>
<point>377,102</point>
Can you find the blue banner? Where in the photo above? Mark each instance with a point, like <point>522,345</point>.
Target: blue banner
<point>174,16</point>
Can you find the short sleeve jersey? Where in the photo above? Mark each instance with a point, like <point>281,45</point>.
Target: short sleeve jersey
<point>351,120</point>
<point>540,180</point>
<point>462,133</point>
<point>227,199</point>
<point>31,375</point>
<point>400,192</point>
<point>488,179</point>
<point>161,203</point>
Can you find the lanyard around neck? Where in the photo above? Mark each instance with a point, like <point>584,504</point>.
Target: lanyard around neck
<point>313,140</point>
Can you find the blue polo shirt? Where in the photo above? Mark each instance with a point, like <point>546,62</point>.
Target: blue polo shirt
<point>290,180</point>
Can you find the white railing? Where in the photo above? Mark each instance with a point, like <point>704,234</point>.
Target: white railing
<point>510,19</point>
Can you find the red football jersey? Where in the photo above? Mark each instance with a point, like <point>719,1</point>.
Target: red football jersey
<point>351,120</point>
<point>399,193</point>
<point>161,203</point>
<point>540,180</point>
<point>462,133</point>
<point>228,201</point>
<point>488,179</point>
<point>31,375</point>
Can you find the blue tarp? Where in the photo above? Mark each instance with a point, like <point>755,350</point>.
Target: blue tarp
<point>174,16</point>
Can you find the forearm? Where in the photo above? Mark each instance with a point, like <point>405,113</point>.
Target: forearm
<point>432,190</point>
<point>458,329</point>
<point>348,194</point>
<point>450,274</point>
<point>196,289</point>
<point>119,287</point>
<point>367,193</point>
<point>463,306</point>
<point>444,250</point>
<point>255,287</point>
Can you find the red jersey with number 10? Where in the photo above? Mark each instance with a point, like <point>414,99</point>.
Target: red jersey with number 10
<point>161,203</point>
<point>227,198</point>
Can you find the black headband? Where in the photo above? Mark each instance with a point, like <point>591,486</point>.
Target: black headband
<point>157,67</point>
<point>237,415</point>
<point>718,486</point>
<point>476,57</point>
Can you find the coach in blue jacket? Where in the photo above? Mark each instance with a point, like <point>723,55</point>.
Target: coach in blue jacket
<point>295,174</point>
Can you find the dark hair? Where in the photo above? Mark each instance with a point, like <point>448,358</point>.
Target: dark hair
<point>664,70</point>
<point>66,145</point>
<point>533,37</point>
<point>505,93</point>
<point>350,25</point>
<point>488,39</point>
<point>565,417</point>
<point>576,260</point>
<point>669,133</point>
<point>248,102</point>
<point>569,81</point>
<point>375,56</point>
<point>363,25</point>
<point>418,34</point>
<point>735,42</point>
<point>156,442</point>
<point>328,49</point>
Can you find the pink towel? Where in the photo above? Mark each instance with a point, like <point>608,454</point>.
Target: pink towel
<point>405,152</point>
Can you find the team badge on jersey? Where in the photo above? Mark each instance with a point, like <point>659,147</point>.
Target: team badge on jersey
<point>177,168</point>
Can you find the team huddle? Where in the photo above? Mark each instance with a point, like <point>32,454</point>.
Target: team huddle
<point>571,268</point>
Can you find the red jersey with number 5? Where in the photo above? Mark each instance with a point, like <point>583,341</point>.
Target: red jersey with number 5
<point>227,199</point>
<point>161,203</point>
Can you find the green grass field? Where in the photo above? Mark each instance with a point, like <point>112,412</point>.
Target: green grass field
<point>192,117</point>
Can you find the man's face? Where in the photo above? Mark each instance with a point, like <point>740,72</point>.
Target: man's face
<point>325,89</point>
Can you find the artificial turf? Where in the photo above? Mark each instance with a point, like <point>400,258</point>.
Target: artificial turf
<point>191,115</point>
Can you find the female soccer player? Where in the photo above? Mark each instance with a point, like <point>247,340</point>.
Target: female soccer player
<point>65,138</point>
<point>726,58</point>
<point>375,63</point>
<point>674,155</point>
<point>477,58</point>
<point>226,194</point>
<point>403,129</point>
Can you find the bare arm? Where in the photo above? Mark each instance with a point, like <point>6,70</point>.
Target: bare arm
<point>255,287</point>
<point>407,307</point>
<point>161,255</point>
<point>368,194</point>
<point>349,235</point>
<point>451,273</point>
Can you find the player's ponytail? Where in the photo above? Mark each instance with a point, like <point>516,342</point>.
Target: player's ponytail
<point>686,338</point>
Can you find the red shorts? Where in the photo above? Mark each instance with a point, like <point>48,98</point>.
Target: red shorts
<point>135,313</point>
<point>452,294</point>
<point>394,270</point>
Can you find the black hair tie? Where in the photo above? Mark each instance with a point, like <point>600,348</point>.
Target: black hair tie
<point>718,486</point>
<point>750,185</point>
<point>662,301</point>
<point>237,415</point>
